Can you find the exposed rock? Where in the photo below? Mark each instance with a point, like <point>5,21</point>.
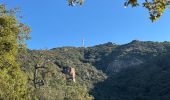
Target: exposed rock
<point>71,72</point>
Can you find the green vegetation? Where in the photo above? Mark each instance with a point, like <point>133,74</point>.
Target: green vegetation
<point>149,81</point>
<point>134,71</point>
<point>155,7</point>
<point>13,82</point>
<point>103,72</point>
<point>55,86</point>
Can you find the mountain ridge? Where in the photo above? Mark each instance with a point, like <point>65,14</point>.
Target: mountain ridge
<point>96,68</point>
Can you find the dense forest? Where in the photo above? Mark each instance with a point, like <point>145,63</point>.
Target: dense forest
<point>134,71</point>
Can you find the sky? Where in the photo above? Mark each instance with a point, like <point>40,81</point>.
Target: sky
<point>55,24</point>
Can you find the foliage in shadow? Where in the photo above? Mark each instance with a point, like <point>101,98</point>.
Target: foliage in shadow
<point>148,81</point>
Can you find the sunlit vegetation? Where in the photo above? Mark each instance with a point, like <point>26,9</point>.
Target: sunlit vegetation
<point>102,71</point>
<point>13,81</point>
<point>134,71</point>
<point>155,7</point>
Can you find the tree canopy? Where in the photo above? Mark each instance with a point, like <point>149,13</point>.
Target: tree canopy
<point>13,81</point>
<point>155,7</point>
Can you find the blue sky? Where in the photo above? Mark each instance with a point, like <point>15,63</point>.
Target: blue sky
<point>55,24</point>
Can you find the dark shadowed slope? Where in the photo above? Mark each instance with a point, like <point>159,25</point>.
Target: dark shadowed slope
<point>148,81</point>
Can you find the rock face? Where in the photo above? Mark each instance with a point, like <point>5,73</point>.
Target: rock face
<point>71,72</point>
<point>117,65</point>
<point>129,55</point>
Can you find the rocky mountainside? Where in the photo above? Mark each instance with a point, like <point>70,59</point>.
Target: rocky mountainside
<point>134,71</point>
<point>115,57</point>
<point>147,81</point>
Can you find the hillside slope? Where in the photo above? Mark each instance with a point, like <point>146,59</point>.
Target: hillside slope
<point>149,81</point>
<point>102,71</point>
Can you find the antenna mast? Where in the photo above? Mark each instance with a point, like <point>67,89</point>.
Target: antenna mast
<point>83,42</point>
